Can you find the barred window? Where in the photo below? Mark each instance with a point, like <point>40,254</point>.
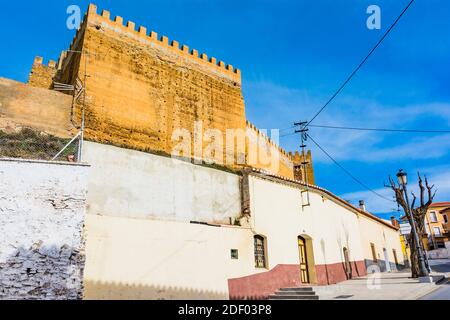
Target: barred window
<point>260,252</point>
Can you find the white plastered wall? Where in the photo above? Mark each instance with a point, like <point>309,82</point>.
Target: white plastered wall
<point>128,183</point>
<point>382,237</point>
<point>277,214</point>
<point>156,259</point>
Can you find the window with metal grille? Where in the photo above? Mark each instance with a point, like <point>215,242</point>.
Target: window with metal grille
<point>260,252</point>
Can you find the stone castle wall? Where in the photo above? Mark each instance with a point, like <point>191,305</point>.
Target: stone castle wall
<point>299,167</point>
<point>41,75</point>
<point>46,111</point>
<point>270,157</point>
<point>141,88</point>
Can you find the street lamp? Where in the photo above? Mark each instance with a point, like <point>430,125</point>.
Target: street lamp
<point>402,177</point>
<point>403,181</point>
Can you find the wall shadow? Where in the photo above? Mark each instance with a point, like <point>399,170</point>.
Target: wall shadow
<point>105,290</point>
<point>42,273</point>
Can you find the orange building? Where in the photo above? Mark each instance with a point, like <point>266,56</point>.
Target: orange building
<point>437,225</point>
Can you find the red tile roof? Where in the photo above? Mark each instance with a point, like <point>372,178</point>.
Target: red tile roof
<point>440,204</point>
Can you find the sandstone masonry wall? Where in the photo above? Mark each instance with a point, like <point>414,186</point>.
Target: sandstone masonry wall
<point>270,157</point>
<point>44,110</point>
<point>41,75</point>
<point>141,88</point>
<point>299,167</point>
<point>42,207</point>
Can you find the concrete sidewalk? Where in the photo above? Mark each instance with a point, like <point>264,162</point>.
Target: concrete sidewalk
<point>384,286</point>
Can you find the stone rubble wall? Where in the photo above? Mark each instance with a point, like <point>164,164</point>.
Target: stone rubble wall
<point>42,207</point>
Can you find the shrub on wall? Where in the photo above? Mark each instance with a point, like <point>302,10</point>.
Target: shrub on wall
<point>31,144</point>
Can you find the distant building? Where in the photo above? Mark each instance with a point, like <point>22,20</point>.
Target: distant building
<point>437,225</point>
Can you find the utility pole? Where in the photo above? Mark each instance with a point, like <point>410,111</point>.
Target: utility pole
<point>83,122</point>
<point>304,137</point>
<point>83,109</point>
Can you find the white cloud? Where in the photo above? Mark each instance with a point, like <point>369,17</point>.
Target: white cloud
<point>274,106</point>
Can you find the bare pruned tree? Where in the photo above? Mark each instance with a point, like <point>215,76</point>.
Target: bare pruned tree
<point>418,214</point>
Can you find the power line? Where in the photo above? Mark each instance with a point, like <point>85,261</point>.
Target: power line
<point>348,172</point>
<point>381,130</point>
<point>362,63</point>
<point>288,134</point>
<point>285,129</point>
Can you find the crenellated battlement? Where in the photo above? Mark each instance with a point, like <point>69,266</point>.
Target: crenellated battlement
<point>269,140</point>
<point>41,74</point>
<point>77,37</point>
<point>140,88</point>
<point>297,157</point>
<point>299,160</point>
<point>143,34</point>
<point>39,61</point>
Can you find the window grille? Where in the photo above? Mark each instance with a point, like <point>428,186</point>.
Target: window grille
<point>260,252</point>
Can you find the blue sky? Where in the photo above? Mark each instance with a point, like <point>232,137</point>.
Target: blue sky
<point>293,55</point>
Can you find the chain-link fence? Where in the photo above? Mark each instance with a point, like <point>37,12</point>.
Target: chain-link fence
<point>35,145</point>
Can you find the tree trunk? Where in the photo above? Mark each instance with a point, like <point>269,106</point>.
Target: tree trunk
<point>415,267</point>
<point>418,215</point>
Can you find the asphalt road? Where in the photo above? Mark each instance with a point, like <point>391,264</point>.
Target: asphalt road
<point>443,293</point>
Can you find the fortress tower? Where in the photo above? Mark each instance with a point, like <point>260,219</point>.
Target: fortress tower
<point>141,88</point>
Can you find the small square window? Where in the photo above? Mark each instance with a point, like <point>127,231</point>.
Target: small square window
<point>234,254</point>
<point>433,217</point>
<point>437,232</point>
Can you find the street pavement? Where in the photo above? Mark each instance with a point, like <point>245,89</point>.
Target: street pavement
<point>390,286</point>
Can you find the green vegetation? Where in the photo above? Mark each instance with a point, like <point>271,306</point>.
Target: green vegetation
<point>30,144</point>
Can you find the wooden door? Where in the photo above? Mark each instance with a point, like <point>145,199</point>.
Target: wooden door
<point>304,274</point>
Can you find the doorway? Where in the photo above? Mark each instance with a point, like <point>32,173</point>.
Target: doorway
<point>304,273</point>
